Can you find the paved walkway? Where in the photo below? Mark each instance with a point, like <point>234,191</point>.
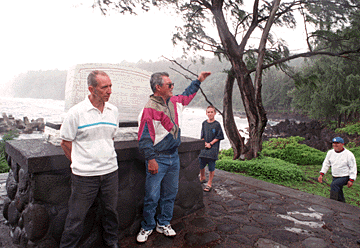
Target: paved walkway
<point>245,212</point>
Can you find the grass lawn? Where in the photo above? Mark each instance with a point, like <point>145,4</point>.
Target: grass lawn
<point>312,186</point>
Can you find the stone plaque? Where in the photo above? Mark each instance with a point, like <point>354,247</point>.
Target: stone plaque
<point>130,87</point>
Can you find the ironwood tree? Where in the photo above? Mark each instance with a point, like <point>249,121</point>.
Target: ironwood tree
<point>327,88</point>
<point>237,25</point>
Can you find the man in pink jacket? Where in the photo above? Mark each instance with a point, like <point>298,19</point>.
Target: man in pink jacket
<point>159,137</point>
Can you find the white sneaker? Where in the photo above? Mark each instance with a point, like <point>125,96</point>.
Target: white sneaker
<point>166,230</point>
<point>143,235</point>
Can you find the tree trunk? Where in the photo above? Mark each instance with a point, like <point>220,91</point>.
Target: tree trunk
<point>236,141</point>
<point>259,119</point>
<point>251,97</point>
<point>255,112</point>
<point>339,121</point>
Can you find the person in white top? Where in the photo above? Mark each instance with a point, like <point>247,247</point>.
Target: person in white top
<point>343,169</point>
<point>87,135</point>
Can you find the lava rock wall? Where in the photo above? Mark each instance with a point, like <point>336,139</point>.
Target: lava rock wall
<point>36,207</point>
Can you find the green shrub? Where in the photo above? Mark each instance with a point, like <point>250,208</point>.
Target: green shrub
<point>4,167</point>
<point>350,145</point>
<point>290,150</point>
<point>356,152</point>
<point>280,143</point>
<point>228,152</point>
<point>332,125</point>
<point>350,129</point>
<point>264,168</point>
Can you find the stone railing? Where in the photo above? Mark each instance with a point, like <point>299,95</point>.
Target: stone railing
<point>38,188</point>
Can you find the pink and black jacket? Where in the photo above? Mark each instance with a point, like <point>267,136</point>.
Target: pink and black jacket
<point>159,127</point>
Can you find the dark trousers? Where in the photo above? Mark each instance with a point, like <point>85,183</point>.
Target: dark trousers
<point>84,191</point>
<point>336,188</point>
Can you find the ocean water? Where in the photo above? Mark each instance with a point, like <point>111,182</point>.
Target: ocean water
<point>53,111</point>
<point>193,118</point>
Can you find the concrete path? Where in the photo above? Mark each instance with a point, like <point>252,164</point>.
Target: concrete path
<point>245,212</point>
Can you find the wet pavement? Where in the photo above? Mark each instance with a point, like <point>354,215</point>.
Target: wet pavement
<point>246,212</point>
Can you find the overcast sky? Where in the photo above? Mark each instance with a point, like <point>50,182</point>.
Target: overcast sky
<point>48,34</point>
<point>43,34</point>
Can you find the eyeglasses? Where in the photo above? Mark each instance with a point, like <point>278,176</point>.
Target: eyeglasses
<point>170,85</point>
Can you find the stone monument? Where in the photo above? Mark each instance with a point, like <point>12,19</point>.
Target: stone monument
<point>130,92</point>
<point>130,87</point>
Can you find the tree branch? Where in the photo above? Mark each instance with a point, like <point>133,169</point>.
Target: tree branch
<point>252,27</point>
<point>308,54</point>
<point>208,44</point>
<point>187,77</point>
<point>307,34</point>
<point>239,23</point>
<point>260,60</point>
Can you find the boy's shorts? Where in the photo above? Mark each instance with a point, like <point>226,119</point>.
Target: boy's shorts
<point>207,161</point>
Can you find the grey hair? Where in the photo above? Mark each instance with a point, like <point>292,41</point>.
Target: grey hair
<point>156,79</point>
<point>91,80</point>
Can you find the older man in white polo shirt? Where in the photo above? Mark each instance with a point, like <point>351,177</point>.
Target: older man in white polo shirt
<point>87,135</point>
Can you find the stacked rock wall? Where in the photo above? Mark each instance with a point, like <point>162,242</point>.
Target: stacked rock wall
<point>38,188</point>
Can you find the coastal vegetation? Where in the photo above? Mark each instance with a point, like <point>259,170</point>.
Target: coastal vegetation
<point>284,161</point>
<point>351,128</point>
<point>4,167</point>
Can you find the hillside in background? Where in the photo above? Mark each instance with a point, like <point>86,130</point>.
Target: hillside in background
<point>276,85</point>
<point>40,84</point>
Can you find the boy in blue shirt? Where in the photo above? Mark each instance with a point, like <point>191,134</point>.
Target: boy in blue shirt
<point>211,133</point>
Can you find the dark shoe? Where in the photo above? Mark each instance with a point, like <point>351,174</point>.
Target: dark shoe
<point>115,245</point>
<point>334,195</point>
<point>358,241</point>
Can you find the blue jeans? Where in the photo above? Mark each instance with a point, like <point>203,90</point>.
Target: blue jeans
<point>161,188</point>
<point>84,191</point>
<point>336,187</point>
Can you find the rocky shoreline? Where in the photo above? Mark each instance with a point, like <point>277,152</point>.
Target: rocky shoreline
<point>290,124</point>
<point>315,133</point>
<point>278,117</point>
<point>9,123</point>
